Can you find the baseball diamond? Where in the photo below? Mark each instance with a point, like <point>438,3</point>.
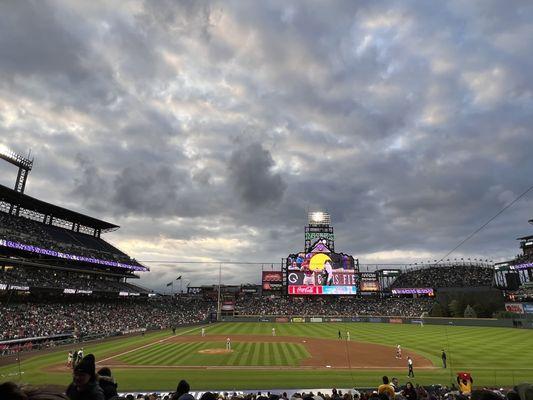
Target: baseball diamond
<point>301,355</point>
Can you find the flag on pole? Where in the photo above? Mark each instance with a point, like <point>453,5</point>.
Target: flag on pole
<point>178,278</point>
<point>169,284</point>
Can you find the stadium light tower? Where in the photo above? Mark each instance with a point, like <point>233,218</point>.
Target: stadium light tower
<point>318,228</point>
<point>318,218</point>
<point>24,164</point>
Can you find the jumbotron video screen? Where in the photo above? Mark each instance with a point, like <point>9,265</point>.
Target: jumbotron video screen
<point>321,273</point>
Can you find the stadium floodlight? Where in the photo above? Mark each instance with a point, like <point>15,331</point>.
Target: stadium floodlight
<point>318,218</point>
<point>24,164</point>
<point>10,156</point>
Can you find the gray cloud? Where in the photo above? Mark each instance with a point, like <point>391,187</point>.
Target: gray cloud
<point>207,129</point>
<point>251,171</point>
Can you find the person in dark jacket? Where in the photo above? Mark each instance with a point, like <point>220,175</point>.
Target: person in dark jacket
<point>182,391</point>
<point>107,383</point>
<point>409,392</point>
<point>84,385</point>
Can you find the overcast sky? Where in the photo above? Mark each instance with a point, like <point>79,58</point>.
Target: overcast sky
<point>206,130</point>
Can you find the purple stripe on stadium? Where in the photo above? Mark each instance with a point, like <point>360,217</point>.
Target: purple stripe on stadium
<point>412,291</point>
<point>523,266</point>
<point>53,253</point>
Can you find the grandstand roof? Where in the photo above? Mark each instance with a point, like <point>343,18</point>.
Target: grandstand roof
<point>525,237</point>
<point>30,203</point>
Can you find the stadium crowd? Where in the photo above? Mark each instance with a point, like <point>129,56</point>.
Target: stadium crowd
<point>37,319</point>
<point>334,306</point>
<point>26,231</point>
<point>90,384</point>
<point>58,279</point>
<point>473,275</point>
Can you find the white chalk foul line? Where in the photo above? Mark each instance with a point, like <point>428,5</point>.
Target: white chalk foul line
<point>149,344</point>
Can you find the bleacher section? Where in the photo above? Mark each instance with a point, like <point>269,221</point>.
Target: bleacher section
<point>463,275</point>
<point>26,231</point>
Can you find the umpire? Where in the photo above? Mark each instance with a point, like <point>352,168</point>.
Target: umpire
<point>443,356</point>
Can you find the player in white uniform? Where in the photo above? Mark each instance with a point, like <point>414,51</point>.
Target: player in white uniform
<point>228,344</point>
<point>398,351</point>
<point>69,359</point>
<point>348,336</point>
<point>273,331</point>
<point>203,332</point>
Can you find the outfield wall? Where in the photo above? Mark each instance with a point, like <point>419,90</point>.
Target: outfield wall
<point>489,322</point>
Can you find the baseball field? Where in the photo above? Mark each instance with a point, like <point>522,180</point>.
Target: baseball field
<point>300,355</point>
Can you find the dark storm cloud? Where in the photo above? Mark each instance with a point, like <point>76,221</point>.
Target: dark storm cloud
<point>208,129</point>
<point>250,169</point>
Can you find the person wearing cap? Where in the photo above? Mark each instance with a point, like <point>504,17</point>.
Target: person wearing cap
<point>84,385</point>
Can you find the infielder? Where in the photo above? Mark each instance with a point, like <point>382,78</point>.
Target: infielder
<point>348,336</point>
<point>228,344</point>
<point>398,351</point>
<point>273,331</point>
<point>203,332</point>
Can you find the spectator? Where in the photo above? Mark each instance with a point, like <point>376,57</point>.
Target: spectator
<point>84,385</point>
<point>386,388</point>
<point>107,383</point>
<point>409,392</point>
<point>182,391</point>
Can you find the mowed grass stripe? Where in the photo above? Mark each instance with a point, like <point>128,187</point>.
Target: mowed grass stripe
<point>153,358</point>
<point>255,354</point>
<point>285,359</point>
<point>247,359</point>
<point>172,352</point>
<point>146,354</point>
<point>292,353</point>
<point>276,354</point>
<point>136,354</point>
<point>182,356</point>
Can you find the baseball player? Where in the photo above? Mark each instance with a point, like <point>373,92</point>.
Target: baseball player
<point>228,344</point>
<point>398,351</point>
<point>348,336</point>
<point>328,269</point>
<point>273,331</point>
<point>69,359</point>
<point>203,332</point>
<point>309,275</point>
<point>410,374</point>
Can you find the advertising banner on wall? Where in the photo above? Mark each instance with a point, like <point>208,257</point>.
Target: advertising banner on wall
<point>272,280</point>
<point>515,308</point>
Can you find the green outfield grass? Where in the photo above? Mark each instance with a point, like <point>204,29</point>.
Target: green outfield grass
<point>494,356</point>
<point>252,354</point>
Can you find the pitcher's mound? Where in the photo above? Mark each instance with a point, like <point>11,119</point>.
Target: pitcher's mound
<point>215,351</point>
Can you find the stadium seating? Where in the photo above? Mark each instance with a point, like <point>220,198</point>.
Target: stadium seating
<point>34,233</point>
<point>59,279</point>
<point>463,275</point>
<point>334,306</point>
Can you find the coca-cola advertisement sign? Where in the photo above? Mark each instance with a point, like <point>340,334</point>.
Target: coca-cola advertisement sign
<point>305,290</point>
<point>515,308</point>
